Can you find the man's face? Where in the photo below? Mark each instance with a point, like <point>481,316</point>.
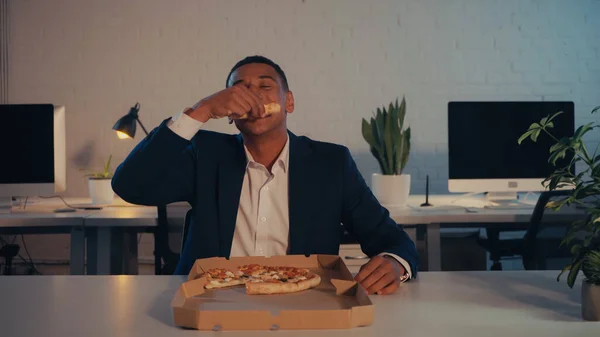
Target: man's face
<point>263,79</point>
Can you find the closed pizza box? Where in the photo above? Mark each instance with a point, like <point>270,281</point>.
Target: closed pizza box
<point>338,302</point>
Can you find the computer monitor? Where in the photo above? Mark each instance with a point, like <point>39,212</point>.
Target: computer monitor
<point>32,139</point>
<point>483,153</point>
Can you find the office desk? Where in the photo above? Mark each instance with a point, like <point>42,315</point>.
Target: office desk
<point>108,231</point>
<point>39,218</point>
<point>524,303</point>
<point>112,232</point>
<point>115,226</point>
<point>453,211</point>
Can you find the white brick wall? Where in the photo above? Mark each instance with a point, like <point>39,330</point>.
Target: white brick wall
<point>343,59</point>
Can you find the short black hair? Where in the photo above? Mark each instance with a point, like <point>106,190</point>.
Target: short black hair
<point>263,60</point>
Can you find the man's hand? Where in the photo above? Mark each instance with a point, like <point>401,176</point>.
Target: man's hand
<point>381,275</point>
<point>232,102</point>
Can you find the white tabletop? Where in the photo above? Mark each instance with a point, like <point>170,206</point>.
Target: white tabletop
<point>437,304</point>
<point>133,216</point>
<point>449,209</point>
<point>41,213</point>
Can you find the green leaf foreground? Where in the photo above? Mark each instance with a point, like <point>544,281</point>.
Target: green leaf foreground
<point>583,237</point>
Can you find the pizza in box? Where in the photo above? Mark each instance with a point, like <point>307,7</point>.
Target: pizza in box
<point>262,280</point>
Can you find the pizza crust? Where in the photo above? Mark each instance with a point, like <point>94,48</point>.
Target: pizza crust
<point>267,288</point>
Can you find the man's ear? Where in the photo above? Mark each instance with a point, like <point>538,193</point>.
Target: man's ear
<point>289,102</point>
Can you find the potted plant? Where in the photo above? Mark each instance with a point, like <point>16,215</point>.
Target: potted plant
<point>583,237</point>
<point>390,145</point>
<point>99,184</point>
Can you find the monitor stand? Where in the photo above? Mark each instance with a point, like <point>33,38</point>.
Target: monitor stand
<point>5,205</point>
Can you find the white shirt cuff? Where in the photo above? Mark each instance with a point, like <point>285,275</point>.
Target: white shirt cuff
<point>401,261</point>
<point>184,126</point>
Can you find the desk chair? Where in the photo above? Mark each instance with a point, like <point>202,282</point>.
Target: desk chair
<point>498,248</point>
<point>8,252</point>
<point>539,238</point>
<point>186,226</point>
<point>166,254</point>
<point>541,244</point>
<point>162,251</point>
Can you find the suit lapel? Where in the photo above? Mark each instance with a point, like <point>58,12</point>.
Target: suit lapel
<point>301,190</point>
<point>230,176</point>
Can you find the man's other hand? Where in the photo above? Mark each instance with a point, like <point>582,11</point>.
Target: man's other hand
<point>381,275</point>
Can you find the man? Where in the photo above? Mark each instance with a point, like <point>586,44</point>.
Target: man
<point>265,191</point>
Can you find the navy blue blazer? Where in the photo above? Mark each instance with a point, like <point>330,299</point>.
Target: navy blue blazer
<point>325,190</point>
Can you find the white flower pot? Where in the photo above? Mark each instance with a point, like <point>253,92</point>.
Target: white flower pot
<point>101,191</point>
<point>391,190</point>
<point>590,301</point>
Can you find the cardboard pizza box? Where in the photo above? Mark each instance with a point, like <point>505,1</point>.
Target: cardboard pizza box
<point>338,302</point>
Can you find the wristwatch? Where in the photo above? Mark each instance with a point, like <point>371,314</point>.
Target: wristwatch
<point>404,277</point>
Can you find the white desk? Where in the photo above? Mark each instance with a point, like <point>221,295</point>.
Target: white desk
<point>446,304</point>
<point>116,227</point>
<point>122,216</point>
<point>438,216</point>
<point>39,218</point>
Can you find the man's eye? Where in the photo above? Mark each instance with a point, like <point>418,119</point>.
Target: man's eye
<point>265,87</point>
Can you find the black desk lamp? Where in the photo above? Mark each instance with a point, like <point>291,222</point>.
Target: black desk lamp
<point>125,128</point>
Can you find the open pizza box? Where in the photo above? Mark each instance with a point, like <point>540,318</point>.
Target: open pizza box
<point>338,302</point>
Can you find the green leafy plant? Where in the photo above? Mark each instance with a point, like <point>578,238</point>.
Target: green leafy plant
<point>583,237</point>
<point>388,143</point>
<point>106,172</point>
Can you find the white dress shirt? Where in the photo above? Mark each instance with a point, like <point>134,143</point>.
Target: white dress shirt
<point>262,223</point>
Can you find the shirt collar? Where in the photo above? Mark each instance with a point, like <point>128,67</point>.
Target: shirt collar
<point>282,160</point>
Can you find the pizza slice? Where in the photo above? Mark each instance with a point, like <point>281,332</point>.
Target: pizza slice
<point>282,280</point>
<point>223,278</point>
<point>269,109</point>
